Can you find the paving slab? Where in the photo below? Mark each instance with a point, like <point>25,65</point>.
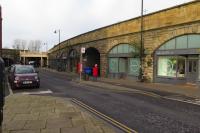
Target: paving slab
<point>46,114</point>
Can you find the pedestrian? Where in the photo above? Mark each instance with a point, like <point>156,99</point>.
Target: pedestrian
<point>95,72</point>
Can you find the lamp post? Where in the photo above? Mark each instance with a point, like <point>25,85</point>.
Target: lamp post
<point>142,45</point>
<point>46,63</point>
<point>58,31</point>
<point>46,46</point>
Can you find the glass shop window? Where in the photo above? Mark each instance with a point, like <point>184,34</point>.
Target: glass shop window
<point>122,65</point>
<point>134,66</point>
<point>167,66</point>
<point>113,65</point>
<point>181,67</point>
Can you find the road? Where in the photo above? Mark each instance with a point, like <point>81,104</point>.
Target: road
<point>140,112</point>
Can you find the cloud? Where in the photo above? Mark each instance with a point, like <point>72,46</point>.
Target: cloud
<point>37,19</point>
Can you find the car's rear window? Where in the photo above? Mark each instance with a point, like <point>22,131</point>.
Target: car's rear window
<point>24,69</point>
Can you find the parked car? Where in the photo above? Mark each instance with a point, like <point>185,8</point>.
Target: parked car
<point>23,76</point>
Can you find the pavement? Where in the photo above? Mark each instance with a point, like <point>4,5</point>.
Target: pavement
<point>182,92</point>
<point>48,114</point>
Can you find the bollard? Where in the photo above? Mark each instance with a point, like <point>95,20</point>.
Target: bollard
<point>2,87</point>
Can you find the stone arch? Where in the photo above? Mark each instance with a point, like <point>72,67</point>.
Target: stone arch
<point>178,59</point>
<point>123,61</point>
<point>73,59</point>
<point>91,57</point>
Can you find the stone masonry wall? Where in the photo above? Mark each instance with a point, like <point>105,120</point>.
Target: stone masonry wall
<point>159,28</point>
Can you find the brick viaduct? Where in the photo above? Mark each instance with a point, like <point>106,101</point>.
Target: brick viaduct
<point>159,27</point>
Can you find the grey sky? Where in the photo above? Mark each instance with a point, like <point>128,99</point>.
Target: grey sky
<point>38,19</point>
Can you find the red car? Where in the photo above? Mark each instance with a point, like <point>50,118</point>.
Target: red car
<point>23,76</point>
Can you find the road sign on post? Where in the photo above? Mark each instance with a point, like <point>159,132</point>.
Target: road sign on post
<point>81,60</point>
<point>83,50</point>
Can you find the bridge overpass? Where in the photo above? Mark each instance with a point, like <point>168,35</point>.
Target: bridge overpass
<point>41,58</point>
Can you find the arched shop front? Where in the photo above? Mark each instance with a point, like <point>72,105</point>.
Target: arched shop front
<point>124,61</point>
<point>178,60</point>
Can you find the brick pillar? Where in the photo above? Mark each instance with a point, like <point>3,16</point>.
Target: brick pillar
<point>103,65</point>
<point>148,68</point>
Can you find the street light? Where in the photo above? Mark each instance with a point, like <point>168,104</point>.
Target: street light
<point>58,31</point>
<point>142,45</point>
<point>42,54</point>
<point>46,46</point>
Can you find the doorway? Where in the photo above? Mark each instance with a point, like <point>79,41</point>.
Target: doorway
<point>91,57</point>
<point>192,70</point>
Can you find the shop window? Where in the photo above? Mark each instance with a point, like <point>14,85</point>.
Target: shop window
<point>170,44</point>
<point>167,66</point>
<point>126,48</point>
<point>194,41</point>
<point>190,66</point>
<point>181,67</point>
<point>122,65</point>
<point>123,49</point>
<point>120,49</point>
<point>114,50</point>
<point>113,65</point>
<point>194,68</point>
<point>181,42</point>
<point>162,47</point>
<point>134,66</point>
<point>131,49</point>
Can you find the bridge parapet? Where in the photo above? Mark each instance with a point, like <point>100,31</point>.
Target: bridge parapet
<point>32,54</point>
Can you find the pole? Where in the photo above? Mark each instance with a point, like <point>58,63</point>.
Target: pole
<point>41,62</point>
<point>59,36</point>
<point>46,47</point>
<point>81,61</point>
<point>47,56</point>
<point>141,46</point>
<point>59,53</point>
<point>24,57</point>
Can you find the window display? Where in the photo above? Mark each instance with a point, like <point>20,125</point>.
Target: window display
<point>167,66</point>
<point>181,67</point>
<point>171,66</point>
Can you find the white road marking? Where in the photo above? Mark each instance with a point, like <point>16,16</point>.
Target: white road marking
<point>38,92</point>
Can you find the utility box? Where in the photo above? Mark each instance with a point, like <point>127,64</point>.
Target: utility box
<point>2,88</point>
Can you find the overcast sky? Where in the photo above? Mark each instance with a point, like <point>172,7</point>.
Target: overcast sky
<point>38,19</point>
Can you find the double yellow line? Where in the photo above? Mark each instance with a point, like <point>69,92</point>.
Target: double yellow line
<point>108,119</point>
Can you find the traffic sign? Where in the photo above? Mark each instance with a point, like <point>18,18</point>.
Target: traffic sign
<point>82,50</point>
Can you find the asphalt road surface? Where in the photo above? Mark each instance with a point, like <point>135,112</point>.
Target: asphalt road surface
<point>140,112</point>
